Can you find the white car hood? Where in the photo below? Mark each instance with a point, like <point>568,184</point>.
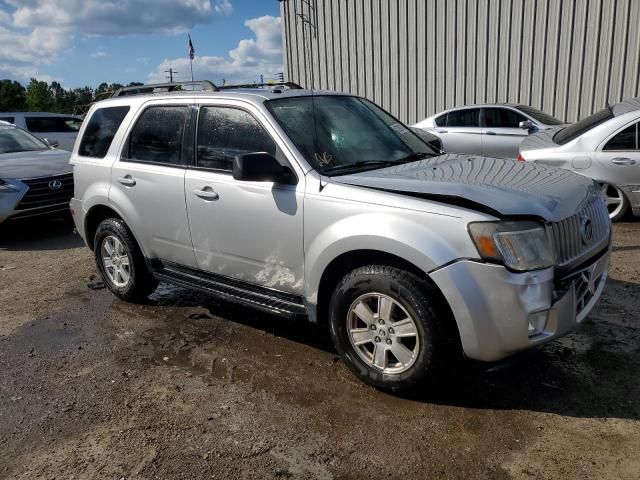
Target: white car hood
<point>43,163</point>
<point>505,188</point>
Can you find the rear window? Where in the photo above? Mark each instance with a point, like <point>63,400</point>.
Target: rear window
<point>583,126</point>
<point>100,130</point>
<point>53,124</point>
<point>7,119</point>
<point>626,140</point>
<point>468,117</point>
<point>157,136</point>
<point>539,115</point>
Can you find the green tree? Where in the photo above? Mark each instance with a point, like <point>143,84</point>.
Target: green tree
<point>12,98</point>
<point>39,96</point>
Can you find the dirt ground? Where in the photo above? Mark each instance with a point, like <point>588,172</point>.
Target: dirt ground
<point>185,387</point>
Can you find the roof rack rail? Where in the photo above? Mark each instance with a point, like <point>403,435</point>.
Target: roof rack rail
<point>204,85</point>
<point>291,85</point>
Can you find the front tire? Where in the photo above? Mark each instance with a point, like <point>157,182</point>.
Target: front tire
<point>391,328</point>
<point>121,262</point>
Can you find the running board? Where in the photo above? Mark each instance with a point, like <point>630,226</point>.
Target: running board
<point>225,288</point>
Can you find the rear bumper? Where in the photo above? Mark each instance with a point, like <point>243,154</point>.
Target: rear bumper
<point>78,213</point>
<point>493,307</point>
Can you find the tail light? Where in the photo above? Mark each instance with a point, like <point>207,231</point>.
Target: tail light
<point>520,158</point>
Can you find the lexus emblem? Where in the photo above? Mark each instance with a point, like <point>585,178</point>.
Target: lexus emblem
<point>586,230</point>
<point>55,184</point>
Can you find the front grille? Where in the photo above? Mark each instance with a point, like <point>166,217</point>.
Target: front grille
<point>42,195</point>
<point>569,238</point>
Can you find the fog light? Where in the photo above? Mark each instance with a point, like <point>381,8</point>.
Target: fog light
<point>537,322</point>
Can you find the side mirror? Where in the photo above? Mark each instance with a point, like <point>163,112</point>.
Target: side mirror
<point>526,125</point>
<point>52,143</point>
<point>261,167</point>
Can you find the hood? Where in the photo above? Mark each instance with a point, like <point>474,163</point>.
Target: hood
<point>541,139</point>
<point>43,163</point>
<point>499,186</point>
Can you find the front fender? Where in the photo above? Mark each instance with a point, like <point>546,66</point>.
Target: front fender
<point>432,241</point>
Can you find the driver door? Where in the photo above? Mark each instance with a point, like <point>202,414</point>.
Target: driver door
<point>250,231</point>
<point>501,133</point>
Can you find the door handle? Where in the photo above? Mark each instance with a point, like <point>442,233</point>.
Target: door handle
<point>206,193</point>
<point>127,181</point>
<point>441,131</point>
<point>623,161</point>
<point>490,133</point>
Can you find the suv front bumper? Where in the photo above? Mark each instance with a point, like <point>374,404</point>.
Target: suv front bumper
<point>493,307</point>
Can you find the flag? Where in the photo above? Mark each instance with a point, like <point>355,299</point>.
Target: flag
<point>192,51</point>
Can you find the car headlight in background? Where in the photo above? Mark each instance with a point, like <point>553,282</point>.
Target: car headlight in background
<point>7,187</point>
<point>519,246</point>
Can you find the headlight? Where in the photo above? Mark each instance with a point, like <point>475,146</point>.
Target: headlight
<point>519,246</point>
<point>6,187</point>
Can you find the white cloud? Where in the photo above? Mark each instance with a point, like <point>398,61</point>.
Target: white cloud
<point>223,7</point>
<point>99,54</point>
<point>37,32</point>
<point>251,58</point>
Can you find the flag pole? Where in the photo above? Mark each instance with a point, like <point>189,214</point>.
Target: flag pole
<point>191,64</point>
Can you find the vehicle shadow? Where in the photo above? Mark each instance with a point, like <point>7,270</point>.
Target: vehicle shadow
<point>592,373</point>
<point>39,234</point>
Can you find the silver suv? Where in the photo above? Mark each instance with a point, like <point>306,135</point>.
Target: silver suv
<point>322,205</point>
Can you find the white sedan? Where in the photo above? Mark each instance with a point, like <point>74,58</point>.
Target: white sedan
<point>604,146</point>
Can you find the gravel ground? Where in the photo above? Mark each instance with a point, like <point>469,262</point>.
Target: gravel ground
<point>185,387</point>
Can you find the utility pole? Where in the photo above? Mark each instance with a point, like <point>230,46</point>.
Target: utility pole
<point>171,72</point>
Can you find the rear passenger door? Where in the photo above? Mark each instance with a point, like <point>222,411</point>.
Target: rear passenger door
<point>502,135</point>
<point>460,131</point>
<point>250,231</point>
<point>618,161</point>
<point>147,181</point>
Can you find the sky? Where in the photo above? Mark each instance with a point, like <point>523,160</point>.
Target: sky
<point>87,42</point>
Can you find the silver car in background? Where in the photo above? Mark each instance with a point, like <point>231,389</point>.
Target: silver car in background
<point>57,129</point>
<point>35,179</point>
<point>604,146</point>
<point>492,130</point>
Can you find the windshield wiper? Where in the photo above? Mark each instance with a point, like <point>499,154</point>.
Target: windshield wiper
<point>360,164</point>
<point>380,163</point>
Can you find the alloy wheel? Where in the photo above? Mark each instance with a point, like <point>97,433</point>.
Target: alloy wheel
<point>383,333</point>
<point>116,261</point>
<point>614,198</point>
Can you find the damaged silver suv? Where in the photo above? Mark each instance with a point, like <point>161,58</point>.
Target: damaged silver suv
<point>322,205</point>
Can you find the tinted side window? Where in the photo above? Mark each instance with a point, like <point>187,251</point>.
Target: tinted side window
<point>225,132</point>
<point>441,121</point>
<point>100,130</point>
<point>502,118</point>
<point>7,119</point>
<point>157,135</point>
<point>52,124</point>
<point>627,139</point>
<point>464,118</point>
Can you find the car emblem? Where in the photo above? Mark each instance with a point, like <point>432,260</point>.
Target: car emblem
<point>55,184</point>
<point>586,230</point>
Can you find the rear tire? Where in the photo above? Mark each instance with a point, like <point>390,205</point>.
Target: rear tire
<point>121,262</point>
<point>392,329</point>
<point>617,201</point>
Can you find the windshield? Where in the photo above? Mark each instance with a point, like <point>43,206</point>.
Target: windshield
<point>15,140</point>
<point>540,116</point>
<point>349,133</point>
<point>574,131</point>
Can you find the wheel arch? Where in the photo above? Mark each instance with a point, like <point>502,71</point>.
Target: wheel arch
<point>96,215</point>
<point>348,261</point>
